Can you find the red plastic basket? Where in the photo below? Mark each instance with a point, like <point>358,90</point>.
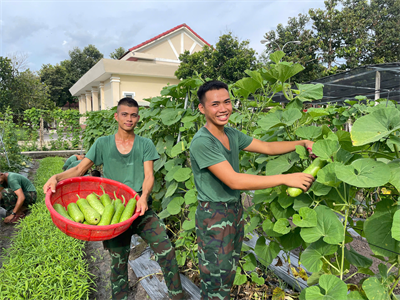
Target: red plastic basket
<point>66,191</point>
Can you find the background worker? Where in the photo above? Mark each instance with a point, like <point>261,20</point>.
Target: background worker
<point>214,154</point>
<point>129,158</point>
<point>17,193</point>
<point>72,159</point>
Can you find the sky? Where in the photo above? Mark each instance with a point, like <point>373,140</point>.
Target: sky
<point>46,31</point>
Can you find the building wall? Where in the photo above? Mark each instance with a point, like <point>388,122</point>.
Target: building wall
<point>144,87</point>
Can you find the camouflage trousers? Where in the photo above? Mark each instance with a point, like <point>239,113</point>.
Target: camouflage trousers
<point>8,199</point>
<point>152,230</point>
<point>220,231</point>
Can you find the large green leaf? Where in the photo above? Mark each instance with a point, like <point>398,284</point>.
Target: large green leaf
<point>282,226</point>
<point>265,195</point>
<point>330,288</point>
<point>160,162</point>
<point>247,86</point>
<point>191,197</point>
<point>307,217</point>
<point>171,173</point>
<point>174,207</point>
<point>182,174</point>
<point>178,149</point>
<point>364,173</point>
<point>316,113</point>
<point>170,116</point>
<point>171,189</point>
<point>309,132</point>
<point>291,115</point>
<point>266,253</point>
<point>375,126</point>
<point>276,56</point>
<point>378,227</point>
<point>311,257</point>
<point>287,70</point>
<point>356,258</point>
<point>281,164</point>
<point>396,226</point>
<point>328,226</point>
<point>374,289</point>
<point>270,120</point>
<point>326,149</point>
<point>310,92</point>
<point>250,226</point>
<point>268,228</point>
<point>189,224</point>
<point>395,174</point>
<point>327,175</point>
<point>279,212</point>
<point>239,277</point>
<point>284,200</point>
<point>292,240</point>
<point>250,262</point>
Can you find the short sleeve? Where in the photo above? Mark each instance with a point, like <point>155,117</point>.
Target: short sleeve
<point>244,140</point>
<point>150,151</point>
<point>69,161</point>
<point>14,185</point>
<point>95,153</point>
<point>206,152</point>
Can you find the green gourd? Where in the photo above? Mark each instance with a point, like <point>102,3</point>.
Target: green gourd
<point>118,212</point>
<point>91,215</point>
<point>61,210</point>
<point>312,169</point>
<point>107,215</point>
<point>105,198</point>
<point>75,213</point>
<point>95,203</point>
<point>129,210</point>
<point>116,201</point>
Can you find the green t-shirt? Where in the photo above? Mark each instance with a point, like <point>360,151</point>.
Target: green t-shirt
<point>205,151</point>
<point>16,181</point>
<point>69,161</point>
<point>73,164</point>
<point>125,168</point>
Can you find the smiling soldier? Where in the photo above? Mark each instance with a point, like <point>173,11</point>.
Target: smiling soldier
<point>129,158</point>
<point>214,153</point>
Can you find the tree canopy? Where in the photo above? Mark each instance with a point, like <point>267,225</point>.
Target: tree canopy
<point>344,35</point>
<point>227,61</point>
<point>117,53</point>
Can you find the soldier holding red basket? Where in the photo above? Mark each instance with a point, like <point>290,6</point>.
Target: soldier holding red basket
<point>129,158</point>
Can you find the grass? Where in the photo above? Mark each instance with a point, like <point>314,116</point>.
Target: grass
<point>42,262</point>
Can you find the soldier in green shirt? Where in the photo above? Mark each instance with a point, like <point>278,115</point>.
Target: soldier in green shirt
<point>214,154</point>
<point>129,158</point>
<point>72,159</point>
<point>17,192</point>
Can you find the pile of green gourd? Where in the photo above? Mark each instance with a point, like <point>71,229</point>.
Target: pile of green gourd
<point>96,210</point>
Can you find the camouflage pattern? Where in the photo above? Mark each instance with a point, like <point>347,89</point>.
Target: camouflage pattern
<point>8,199</point>
<point>220,231</point>
<point>152,230</point>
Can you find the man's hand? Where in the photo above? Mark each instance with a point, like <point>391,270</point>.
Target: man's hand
<point>141,205</point>
<point>50,184</point>
<point>299,180</point>
<point>8,218</point>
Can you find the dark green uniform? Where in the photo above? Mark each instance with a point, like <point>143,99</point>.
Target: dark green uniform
<point>219,215</point>
<point>69,161</point>
<point>129,169</point>
<point>15,182</point>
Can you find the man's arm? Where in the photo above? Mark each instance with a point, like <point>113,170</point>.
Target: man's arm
<point>240,181</point>
<point>146,187</point>
<point>276,148</point>
<point>18,205</point>
<point>79,170</point>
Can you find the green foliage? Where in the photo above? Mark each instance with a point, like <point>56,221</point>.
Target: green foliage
<point>6,82</point>
<point>227,61</point>
<point>117,53</point>
<point>43,262</point>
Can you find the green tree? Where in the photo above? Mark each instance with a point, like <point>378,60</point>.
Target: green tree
<point>227,61</point>
<point>81,61</point>
<point>56,78</point>
<point>326,25</point>
<point>6,82</point>
<point>304,53</point>
<point>30,92</point>
<point>117,53</point>
<point>385,15</point>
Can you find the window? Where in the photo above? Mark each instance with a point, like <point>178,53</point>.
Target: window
<point>129,94</point>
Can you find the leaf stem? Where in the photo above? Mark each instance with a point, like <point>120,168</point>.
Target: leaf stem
<point>330,264</point>
<point>344,242</point>
<point>396,150</point>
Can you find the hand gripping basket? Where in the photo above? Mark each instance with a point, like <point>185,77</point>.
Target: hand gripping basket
<point>66,191</point>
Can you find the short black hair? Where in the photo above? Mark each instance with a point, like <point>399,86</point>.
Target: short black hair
<point>95,173</point>
<point>128,102</point>
<point>208,86</point>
